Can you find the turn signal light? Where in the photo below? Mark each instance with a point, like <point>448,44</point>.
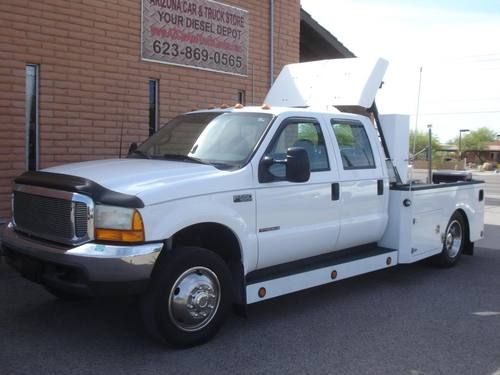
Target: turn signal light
<point>119,235</point>
<point>135,234</point>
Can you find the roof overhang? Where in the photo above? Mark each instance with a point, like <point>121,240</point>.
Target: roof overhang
<point>317,43</point>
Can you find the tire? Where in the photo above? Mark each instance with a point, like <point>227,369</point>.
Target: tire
<point>454,242</point>
<point>188,298</point>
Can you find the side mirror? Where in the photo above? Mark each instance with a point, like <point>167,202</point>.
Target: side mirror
<point>297,165</point>
<point>133,146</point>
<point>295,168</point>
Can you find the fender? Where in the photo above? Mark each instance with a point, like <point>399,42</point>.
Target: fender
<point>164,220</point>
<point>474,220</point>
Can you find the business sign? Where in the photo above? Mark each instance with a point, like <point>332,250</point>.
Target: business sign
<point>200,34</point>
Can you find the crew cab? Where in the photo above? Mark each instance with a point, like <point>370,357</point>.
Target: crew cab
<point>229,207</point>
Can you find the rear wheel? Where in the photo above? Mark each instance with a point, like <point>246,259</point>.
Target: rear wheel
<point>188,298</point>
<point>454,241</point>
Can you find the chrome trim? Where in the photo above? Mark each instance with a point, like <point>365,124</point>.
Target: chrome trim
<point>102,263</point>
<point>453,239</point>
<point>66,195</point>
<point>194,299</point>
<point>94,250</point>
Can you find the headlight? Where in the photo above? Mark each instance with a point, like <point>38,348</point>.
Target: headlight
<point>118,224</point>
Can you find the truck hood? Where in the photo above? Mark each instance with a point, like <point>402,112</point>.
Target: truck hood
<point>153,181</point>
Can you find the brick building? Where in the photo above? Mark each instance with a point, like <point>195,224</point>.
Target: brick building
<point>73,83</point>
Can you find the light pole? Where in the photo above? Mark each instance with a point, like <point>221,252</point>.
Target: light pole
<point>460,142</point>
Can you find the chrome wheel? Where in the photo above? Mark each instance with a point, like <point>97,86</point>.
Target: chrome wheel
<point>194,299</point>
<point>453,240</point>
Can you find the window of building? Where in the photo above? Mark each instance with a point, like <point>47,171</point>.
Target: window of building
<point>242,97</point>
<point>307,135</point>
<point>153,106</point>
<point>354,145</point>
<point>32,72</point>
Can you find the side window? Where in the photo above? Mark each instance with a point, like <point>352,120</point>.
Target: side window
<point>303,134</point>
<point>355,149</point>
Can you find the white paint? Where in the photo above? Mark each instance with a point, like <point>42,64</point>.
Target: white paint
<point>417,230</point>
<point>339,82</point>
<point>305,280</point>
<point>397,134</point>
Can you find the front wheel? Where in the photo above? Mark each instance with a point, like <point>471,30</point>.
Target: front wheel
<point>188,298</point>
<point>454,241</point>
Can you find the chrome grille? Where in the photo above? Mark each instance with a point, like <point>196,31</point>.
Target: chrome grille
<point>80,219</point>
<point>53,215</point>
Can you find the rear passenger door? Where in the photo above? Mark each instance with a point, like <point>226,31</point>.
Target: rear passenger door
<point>363,181</point>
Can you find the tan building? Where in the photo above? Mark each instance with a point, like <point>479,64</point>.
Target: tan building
<point>79,78</point>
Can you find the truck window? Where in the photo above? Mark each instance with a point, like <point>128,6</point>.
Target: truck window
<point>300,134</point>
<point>354,145</point>
<point>224,140</point>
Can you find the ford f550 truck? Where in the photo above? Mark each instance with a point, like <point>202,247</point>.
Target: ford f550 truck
<point>229,207</point>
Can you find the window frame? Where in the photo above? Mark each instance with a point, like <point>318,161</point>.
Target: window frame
<point>352,123</point>
<point>32,157</point>
<point>153,118</point>
<point>297,120</point>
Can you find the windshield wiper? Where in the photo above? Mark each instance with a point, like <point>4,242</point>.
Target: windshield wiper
<point>184,158</point>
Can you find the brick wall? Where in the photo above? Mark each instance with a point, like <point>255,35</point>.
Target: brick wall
<point>92,82</point>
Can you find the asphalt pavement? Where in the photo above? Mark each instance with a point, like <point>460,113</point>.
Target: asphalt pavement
<point>412,319</point>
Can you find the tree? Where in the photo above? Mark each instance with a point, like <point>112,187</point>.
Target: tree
<point>421,140</point>
<point>476,140</point>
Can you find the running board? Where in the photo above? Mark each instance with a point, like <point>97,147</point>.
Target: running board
<point>268,287</point>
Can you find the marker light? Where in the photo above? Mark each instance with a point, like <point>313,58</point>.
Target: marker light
<point>262,292</point>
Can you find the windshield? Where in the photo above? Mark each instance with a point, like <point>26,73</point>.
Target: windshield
<point>225,140</point>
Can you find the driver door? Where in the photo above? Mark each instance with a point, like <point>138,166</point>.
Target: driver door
<point>298,220</point>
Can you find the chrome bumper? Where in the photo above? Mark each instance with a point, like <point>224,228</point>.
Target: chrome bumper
<point>100,263</point>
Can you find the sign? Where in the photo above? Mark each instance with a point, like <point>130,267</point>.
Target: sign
<point>200,34</point>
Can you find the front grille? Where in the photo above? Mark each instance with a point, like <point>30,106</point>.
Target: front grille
<point>52,218</point>
<point>81,214</point>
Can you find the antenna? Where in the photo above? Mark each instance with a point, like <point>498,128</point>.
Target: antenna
<point>418,110</point>
<point>416,128</point>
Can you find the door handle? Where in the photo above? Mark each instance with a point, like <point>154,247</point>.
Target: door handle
<point>335,191</point>
<point>380,187</point>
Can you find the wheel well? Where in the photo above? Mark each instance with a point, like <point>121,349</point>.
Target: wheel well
<point>222,241</point>
<point>469,246</point>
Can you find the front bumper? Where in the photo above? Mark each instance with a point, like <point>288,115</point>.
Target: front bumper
<point>88,269</point>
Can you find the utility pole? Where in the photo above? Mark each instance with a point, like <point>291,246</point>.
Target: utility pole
<point>460,142</point>
<point>429,153</point>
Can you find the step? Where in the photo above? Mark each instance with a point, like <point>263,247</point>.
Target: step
<point>299,275</point>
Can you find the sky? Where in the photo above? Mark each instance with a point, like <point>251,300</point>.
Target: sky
<point>455,43</point>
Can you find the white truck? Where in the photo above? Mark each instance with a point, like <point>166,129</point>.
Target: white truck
<point>229,207</point>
